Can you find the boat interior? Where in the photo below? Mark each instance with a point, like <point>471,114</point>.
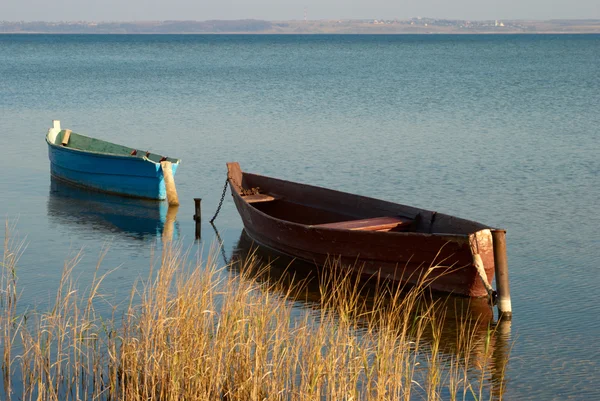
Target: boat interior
<point>325,208</point>
<point>72,140</point>
<point>284,209</point>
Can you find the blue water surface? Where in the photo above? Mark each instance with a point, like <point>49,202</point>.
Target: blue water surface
<point>498,129</point>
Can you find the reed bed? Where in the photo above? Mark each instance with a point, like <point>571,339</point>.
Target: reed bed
<point>196,331</point>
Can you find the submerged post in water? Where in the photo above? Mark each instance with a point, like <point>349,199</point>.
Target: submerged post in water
<point>172,197</point>
<point>197,216</point>
<point>501,267</point>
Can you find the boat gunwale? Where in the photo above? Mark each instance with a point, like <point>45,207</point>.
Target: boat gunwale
<point>104,154</point>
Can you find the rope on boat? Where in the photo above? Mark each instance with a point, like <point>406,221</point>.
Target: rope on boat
<point>221,201</point>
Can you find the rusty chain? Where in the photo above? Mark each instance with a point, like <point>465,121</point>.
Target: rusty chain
<point>243,192</point>
<point>221,201</point>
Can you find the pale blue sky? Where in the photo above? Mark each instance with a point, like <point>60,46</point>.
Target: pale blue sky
<point>143,10</point>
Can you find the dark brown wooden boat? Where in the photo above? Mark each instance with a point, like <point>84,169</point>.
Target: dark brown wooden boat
<point>370,236</point>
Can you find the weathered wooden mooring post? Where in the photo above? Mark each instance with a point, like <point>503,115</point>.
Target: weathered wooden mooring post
<point>501,271</point>
<point>172,196</point>
<point>197,216</point>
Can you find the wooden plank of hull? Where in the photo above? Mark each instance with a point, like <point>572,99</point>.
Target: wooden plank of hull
<point>397,256</point>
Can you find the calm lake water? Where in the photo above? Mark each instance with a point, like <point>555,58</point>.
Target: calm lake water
<point>498,129</point>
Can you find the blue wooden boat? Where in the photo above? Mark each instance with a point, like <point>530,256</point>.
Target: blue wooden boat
<point>108,167</point>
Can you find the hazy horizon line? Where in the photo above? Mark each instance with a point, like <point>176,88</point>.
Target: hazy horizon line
<point>307,20</point>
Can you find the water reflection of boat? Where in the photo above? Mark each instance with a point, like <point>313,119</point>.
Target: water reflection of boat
<point>135,218</point>
<point>490,344</point>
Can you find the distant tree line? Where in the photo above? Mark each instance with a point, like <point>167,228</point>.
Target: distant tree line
<point>214,26</point>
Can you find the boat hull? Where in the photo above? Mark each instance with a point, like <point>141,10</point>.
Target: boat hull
<point>444,262</point>
<point>122,175</point>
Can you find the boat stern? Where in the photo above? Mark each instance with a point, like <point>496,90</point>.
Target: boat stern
<point>235,176</point>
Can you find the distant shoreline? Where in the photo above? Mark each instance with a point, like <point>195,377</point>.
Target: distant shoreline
<point>298,34</point>
<point>411,26</point>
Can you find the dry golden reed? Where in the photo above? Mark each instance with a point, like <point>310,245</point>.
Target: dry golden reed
<point>196,331</point>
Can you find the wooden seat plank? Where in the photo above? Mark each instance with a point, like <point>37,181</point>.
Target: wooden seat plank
<point>258,198</point>
<point>385,223</point>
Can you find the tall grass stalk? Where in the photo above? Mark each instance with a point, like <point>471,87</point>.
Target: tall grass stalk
<point>9,320</point>
<point>203,332</point>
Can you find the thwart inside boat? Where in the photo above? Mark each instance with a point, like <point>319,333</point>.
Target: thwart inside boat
<point>318,217</point>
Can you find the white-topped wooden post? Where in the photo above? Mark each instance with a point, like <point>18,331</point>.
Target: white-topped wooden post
<point>172,196</point>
